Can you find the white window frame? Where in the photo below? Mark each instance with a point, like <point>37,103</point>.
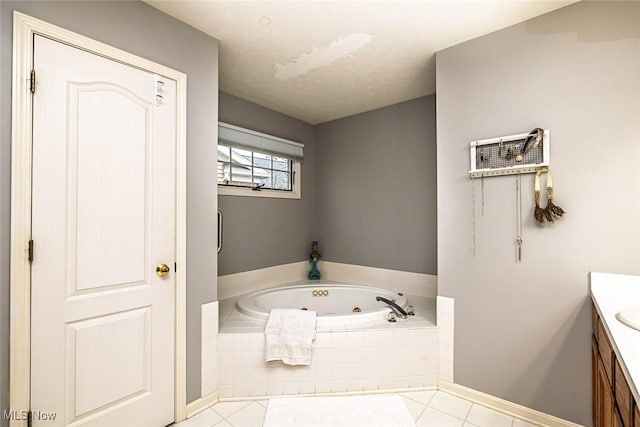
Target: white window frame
<point>294,193</point>
<point>296,164</point>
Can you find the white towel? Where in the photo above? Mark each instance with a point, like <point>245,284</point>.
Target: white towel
<point>289,335</point>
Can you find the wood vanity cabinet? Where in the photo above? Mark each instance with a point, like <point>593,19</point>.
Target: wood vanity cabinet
<point>613,403</point>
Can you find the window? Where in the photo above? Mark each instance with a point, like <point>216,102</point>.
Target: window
<point>255,164</point>
<point>244,168</point>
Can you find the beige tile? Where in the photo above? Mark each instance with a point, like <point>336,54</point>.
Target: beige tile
<point>225,391</point>
<point>445,320</point>
<point>445,304</point>
<point>445,335</point>
<point>225,342</point>
<point>451,405</point>
<point>446,352</point>
<point>369,384</point>
<point>423,397</point>
<point>291,388</point>
<point>414,408</point>
<point>400,383</point>
<point>485,417</point>
<point>433,418</point>
<point>323,386</point>
<point>307,387</point>
<point>354,385</point>
<point>323,340</point>
<point>225,409</point>
<point>415,382</point>
<point>257,390</point>
<point>251,415</point>
<point>274,389</point>
<point>206,418</point>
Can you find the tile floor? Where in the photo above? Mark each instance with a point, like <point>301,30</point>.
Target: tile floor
<point>428,409</point>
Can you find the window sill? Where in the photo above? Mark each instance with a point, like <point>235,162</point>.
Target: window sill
<point>247,192</point>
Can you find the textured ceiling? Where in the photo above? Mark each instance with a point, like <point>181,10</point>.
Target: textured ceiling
<point>319,61</point>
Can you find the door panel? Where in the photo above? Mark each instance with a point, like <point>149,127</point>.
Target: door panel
<point>102,333</point>
<point>120,238</point>
<point>124,340</point>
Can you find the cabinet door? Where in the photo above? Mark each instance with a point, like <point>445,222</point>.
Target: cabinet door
<point>606,353</point>
<point>624,398</point>
<point>637,416</point>
<point>605,408</point>
<point>617,421</point>
<point>595,398</point>
<point>594,321</point>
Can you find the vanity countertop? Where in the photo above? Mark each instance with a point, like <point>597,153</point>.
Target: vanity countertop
<point>612,293</point>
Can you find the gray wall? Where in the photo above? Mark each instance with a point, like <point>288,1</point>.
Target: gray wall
<point>262,232</point>
<point>140,29</point>
<point>376,188</point>
<point>523,330</point>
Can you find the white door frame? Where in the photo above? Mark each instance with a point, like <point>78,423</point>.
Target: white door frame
<point>24,27</point>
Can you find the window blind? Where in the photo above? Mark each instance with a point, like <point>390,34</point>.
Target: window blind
<point>235,136</point>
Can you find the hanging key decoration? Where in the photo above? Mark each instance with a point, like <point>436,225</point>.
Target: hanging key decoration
<point>509,155</point>
<point>551,211</point>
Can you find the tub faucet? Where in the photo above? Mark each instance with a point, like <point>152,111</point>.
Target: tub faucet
<point>393,306</point>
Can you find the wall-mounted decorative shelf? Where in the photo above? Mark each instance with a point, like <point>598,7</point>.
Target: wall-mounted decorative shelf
<point>502,156</point>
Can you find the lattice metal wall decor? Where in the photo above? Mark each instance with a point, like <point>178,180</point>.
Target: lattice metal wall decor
<point>504,155</point>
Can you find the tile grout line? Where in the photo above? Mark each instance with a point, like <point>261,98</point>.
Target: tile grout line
<point>466,417</point>
<point>465,420</point>
<point>425,406</point>
<point>247,403</point>
<point>446,413</point>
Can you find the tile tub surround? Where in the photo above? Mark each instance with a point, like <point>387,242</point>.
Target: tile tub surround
<point>350,361</point>
<point>233,285</point>
<point>385,356</point>
<point>612,293</point>
<point>445,313</point>
<point>209,356</point>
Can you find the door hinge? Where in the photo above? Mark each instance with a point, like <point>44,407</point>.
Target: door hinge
<point>29,419</point>
<point>32,82</point>
<point>30,251</point>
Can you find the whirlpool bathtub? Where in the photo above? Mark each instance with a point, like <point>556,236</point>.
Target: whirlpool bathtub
<point>332,302</point>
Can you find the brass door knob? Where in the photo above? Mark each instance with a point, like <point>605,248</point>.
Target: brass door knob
<point>162,270</point>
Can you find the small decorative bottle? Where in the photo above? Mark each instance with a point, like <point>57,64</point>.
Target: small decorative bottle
<point>314,274</point>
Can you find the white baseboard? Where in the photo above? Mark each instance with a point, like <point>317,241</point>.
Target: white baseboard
<point>501,405</point>
<point>201,404</point>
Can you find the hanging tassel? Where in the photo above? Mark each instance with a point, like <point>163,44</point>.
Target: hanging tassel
<point>552,210</point>
<point>538,212</point>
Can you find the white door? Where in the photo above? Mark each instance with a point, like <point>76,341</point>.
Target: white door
<point>102,321</point>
